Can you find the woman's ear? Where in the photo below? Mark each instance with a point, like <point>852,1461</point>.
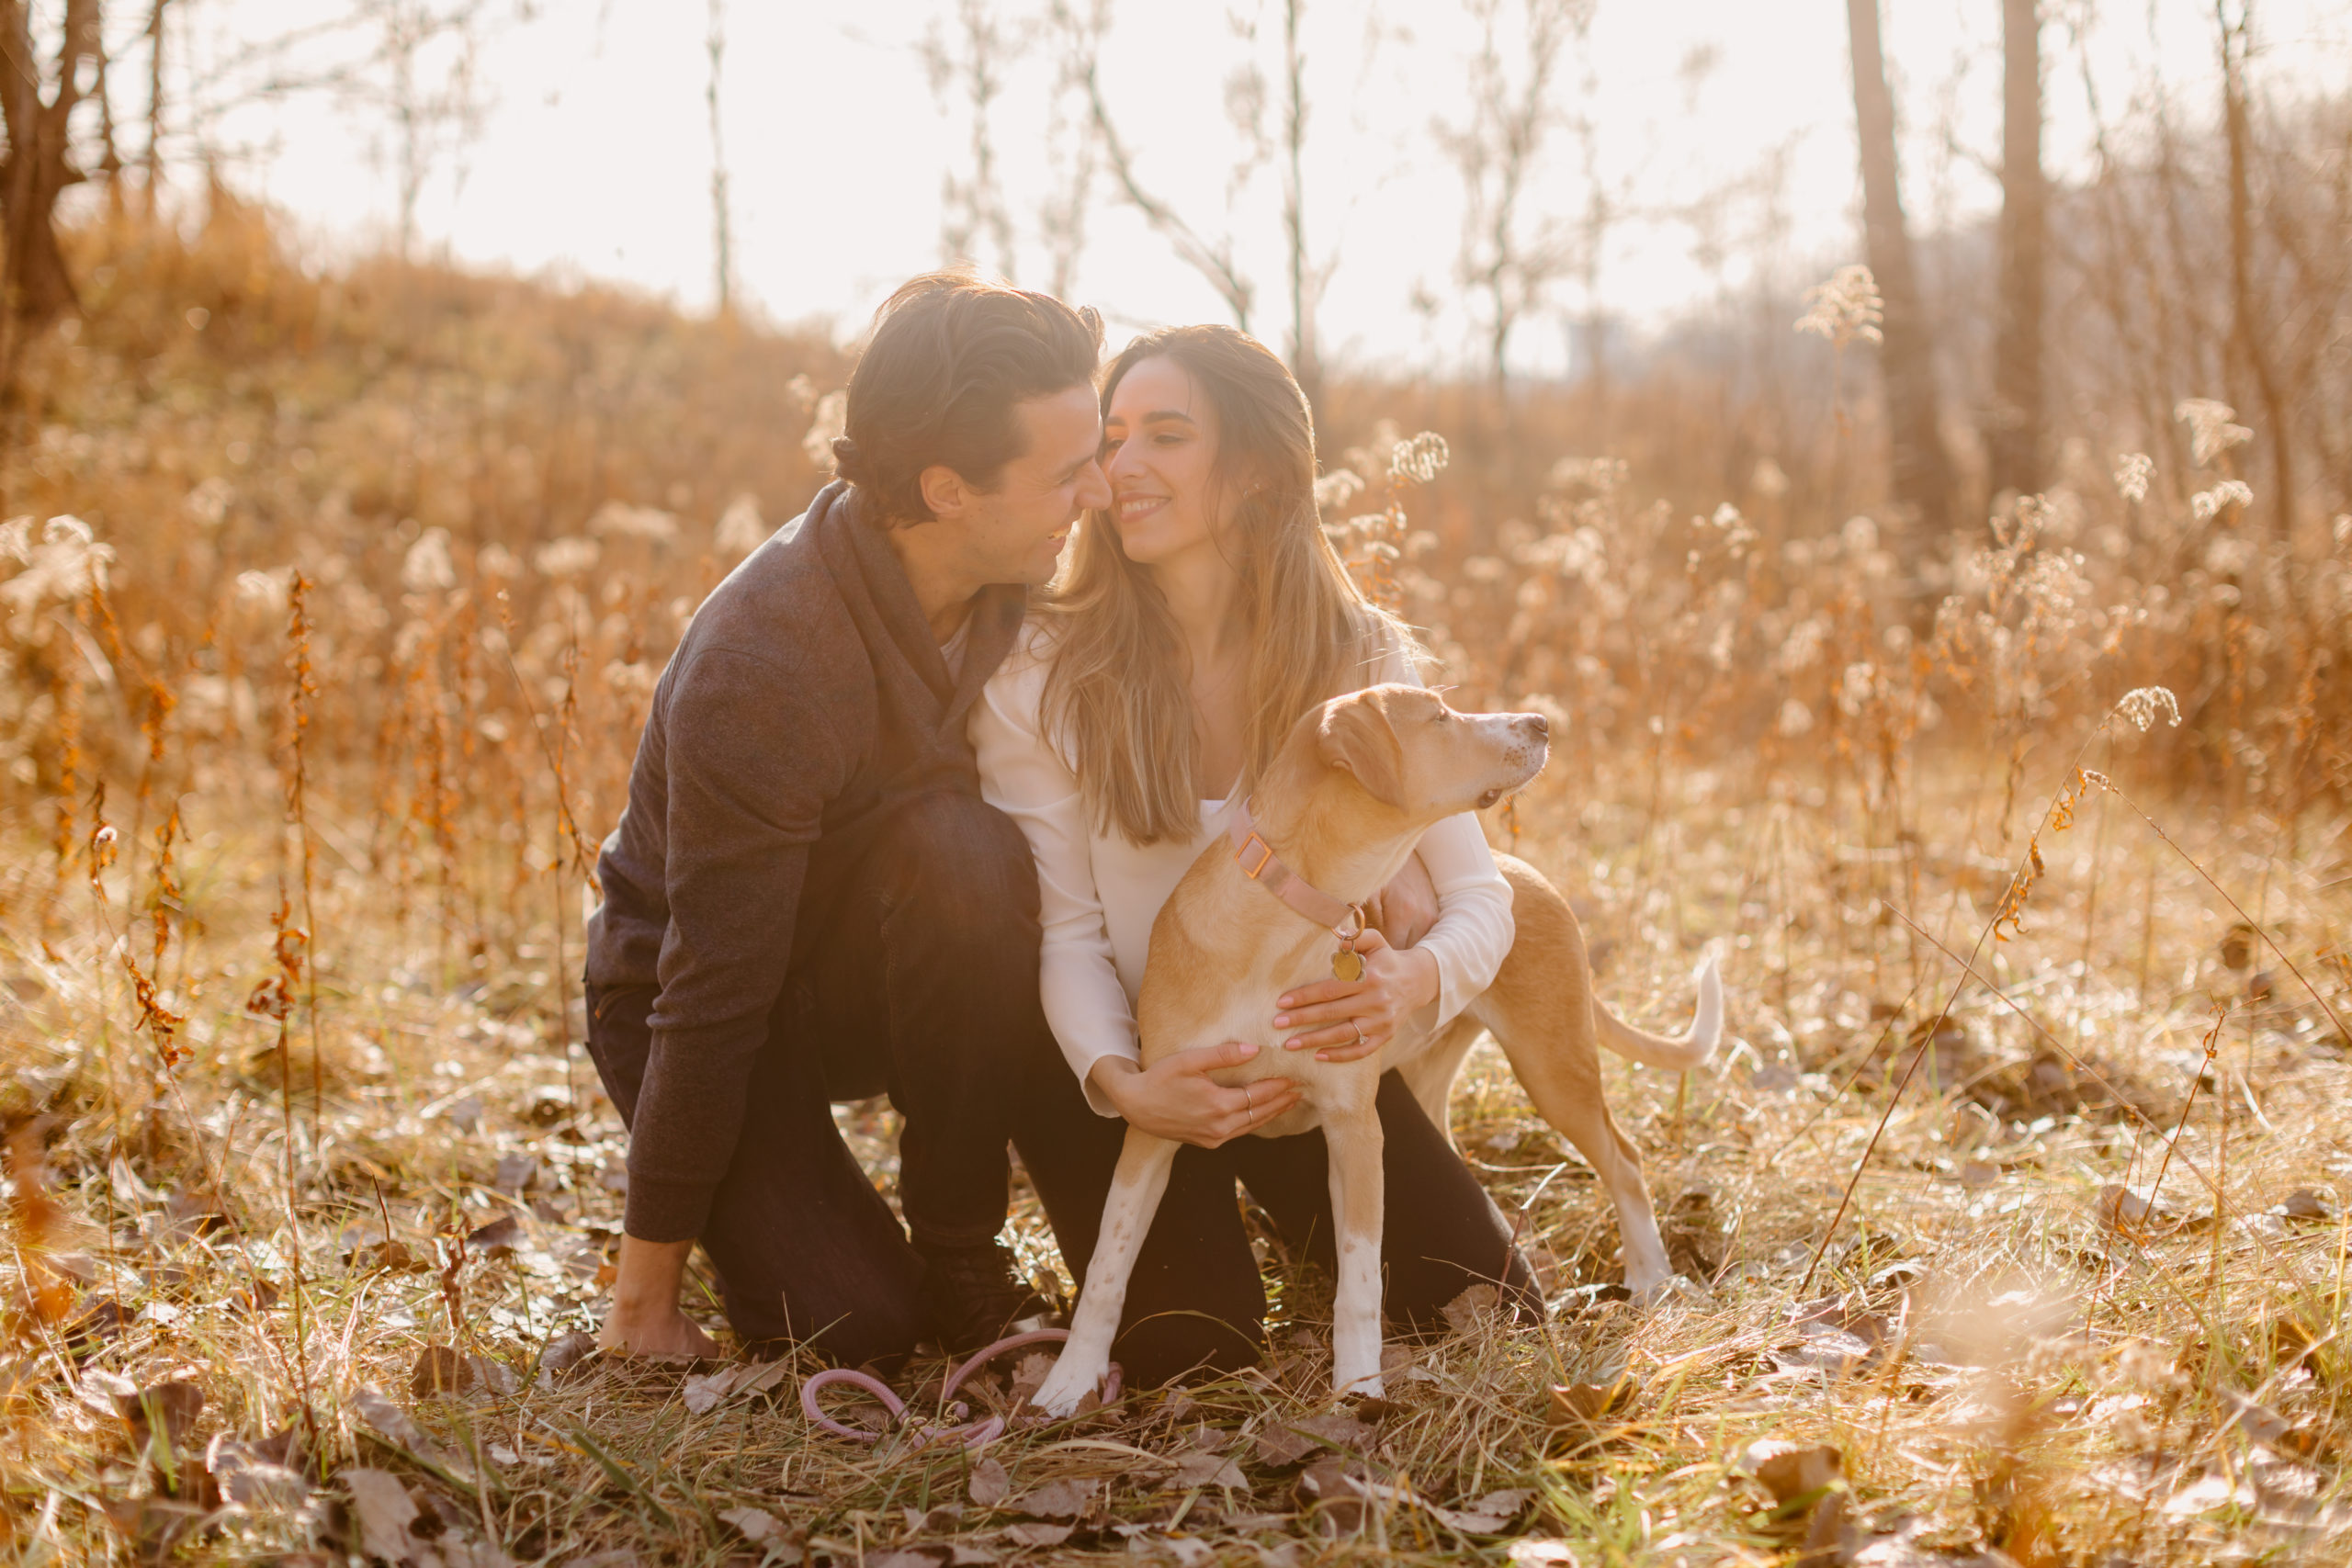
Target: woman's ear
<point>1356,737</point>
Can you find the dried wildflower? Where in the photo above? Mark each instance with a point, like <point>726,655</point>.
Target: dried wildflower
<point>2132,472</point>
<point>208,502</point>
<point>1420,459</point>
<point>2210,433</point>
<point>1769,480</point>
<point>1858,536</point>
<point>497,561</point>
<point>1856,687</point>
<point>1795,719</point>
<point>1738,534</point>
<point>1600,475</point>
<point>741,528</point>
<point>1337,488</point>
<point>828,420</point>
<point>68,565</point>
<point>2144,704</point>
<point>264,591</point>
<point>427,568</point>
<point>566,558</point>
<point>1845,308</point>
<point>618,520</point>
<point>2210,503</point>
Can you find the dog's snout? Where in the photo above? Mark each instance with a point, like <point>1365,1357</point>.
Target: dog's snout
<point>1533,723</point>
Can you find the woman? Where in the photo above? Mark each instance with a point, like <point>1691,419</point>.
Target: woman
<point>1196,621</point>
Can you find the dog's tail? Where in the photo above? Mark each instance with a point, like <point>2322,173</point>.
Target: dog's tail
<point>1674,1052</point>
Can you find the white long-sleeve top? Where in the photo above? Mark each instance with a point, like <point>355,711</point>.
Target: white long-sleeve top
<point>1099,894</point>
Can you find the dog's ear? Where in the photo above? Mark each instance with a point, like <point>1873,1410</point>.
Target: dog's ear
<point>1356,737</point>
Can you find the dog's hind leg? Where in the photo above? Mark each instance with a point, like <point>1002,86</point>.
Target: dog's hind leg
<point>1356,1145</point>
<point>1552,1055</point>
<point>1136,1191</point>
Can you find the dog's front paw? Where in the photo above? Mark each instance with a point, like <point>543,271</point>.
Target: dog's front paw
<point>1071,1380</point>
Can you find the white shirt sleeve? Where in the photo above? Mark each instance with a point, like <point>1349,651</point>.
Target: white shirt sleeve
<point>1474,928</point>
<point>1023,776</point>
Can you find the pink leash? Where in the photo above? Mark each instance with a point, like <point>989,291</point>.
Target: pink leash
<point>971,1434</point>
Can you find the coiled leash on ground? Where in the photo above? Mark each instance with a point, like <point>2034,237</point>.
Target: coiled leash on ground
<point>969,1434</point>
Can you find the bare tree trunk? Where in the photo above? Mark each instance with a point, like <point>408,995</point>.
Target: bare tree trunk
<point>1497,147</point>
<point>2013,426</point>
<point>2245,311</point>
<point>36,169</point>
<point>1921,470</point>
<point>973,65</point>
<point>1074,141</point>
<point>722,240</point>
<point>153,161</point>
<point>1212,260</point>
<point>1304,358</point>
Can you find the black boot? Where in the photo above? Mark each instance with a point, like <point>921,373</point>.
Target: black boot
<point>977,1297</point>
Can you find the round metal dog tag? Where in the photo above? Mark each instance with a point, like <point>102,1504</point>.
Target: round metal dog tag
<point>1348,964</point>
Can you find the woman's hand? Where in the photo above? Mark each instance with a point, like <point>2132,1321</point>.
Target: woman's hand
<point>1175,1098</point>
<point>1342,1020</point>
<point>645,1319</point>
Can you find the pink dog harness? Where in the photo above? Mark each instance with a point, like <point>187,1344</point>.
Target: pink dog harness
<point>1262,865</point>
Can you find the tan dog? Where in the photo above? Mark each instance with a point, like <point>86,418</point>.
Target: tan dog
<point>1355,786</point>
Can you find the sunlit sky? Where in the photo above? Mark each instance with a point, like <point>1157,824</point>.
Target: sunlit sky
<point>591,158</point>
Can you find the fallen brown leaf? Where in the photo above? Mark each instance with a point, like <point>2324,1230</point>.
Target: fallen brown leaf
<point>173,1406</point>
<point>989,1484</point>
<point>1197,1467</point>
<point>1585,1403</point>
<point>1474,1307</point>
<point>1037,1534</point>
<point>1063,1500</point>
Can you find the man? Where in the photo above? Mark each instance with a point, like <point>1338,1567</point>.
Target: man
<point>806,900</point>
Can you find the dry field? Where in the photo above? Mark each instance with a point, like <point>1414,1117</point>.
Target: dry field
<point>2015,1219</point>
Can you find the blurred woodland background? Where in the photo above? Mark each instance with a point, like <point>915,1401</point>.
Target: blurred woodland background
<point>1956,628</point>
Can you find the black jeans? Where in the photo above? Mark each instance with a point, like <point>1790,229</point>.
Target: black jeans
<point>922,980</point>
<point>924,983</point>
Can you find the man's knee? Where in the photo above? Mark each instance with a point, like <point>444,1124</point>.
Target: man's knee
<point>958,859</point>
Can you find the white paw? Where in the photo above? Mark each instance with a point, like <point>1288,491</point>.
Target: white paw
<point>1365,1385</point>
<point>1066,1384</point>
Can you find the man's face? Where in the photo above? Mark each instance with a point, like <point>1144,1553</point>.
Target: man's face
<point>1017,530</point>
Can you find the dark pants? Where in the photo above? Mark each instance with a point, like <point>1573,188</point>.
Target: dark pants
<point>924,983</point>
<point>920,980</point>
<point>1196,1298</point>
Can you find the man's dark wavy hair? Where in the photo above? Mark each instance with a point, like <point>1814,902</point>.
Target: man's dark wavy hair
<point>949,356</point>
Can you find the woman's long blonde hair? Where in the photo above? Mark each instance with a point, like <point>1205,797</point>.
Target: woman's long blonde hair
<point>1115,696</point>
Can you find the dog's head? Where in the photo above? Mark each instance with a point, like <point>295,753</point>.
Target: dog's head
<point>1402,746</point>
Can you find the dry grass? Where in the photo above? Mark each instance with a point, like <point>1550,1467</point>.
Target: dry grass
<point>271,1084</point>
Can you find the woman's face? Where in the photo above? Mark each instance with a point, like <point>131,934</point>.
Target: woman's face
<point>1159,440</point>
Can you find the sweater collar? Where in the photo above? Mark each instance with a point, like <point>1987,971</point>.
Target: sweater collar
<point>889,618</point>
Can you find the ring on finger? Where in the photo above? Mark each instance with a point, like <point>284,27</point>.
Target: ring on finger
<point>1250,1095</point>
<point>1358,1026</point>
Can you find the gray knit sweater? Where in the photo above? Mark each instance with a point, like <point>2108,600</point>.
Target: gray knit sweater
<point>806,698</point>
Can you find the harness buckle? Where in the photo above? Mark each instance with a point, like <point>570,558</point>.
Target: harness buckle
<point>1265,854</point>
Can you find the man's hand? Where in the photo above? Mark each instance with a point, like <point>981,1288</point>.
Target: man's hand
<point>645,1319</point>
<point>1175,1098</point>
<point>1408,907</point>
<point>1344,1019</point>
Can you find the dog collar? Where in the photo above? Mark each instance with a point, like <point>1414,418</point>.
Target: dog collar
<point>1262,865</point>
